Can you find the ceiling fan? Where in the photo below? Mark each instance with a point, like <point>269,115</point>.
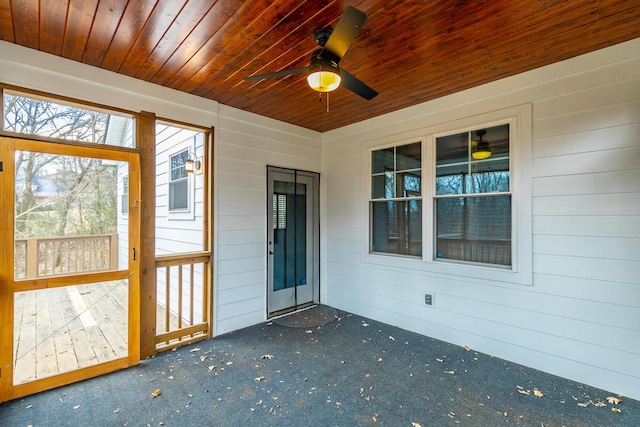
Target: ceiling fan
<point>324,73</point>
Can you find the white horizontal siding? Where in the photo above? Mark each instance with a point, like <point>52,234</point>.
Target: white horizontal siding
<point>581,317</point>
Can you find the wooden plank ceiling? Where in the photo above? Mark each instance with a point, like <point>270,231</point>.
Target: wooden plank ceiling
<point>410,51</point>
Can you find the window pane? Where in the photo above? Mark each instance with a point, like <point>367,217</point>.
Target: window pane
<point>382,160</point>
<point>452,148</point>
<point>408,184</point>
<point>396,227</point>
<point>382,186</point>
<point>488,181</point>
<point>32,116</point>
<point>408,157</point>
<point>474,229</point>
<point>177,165</point>
<point>449,179</point>
<point>179,195</point>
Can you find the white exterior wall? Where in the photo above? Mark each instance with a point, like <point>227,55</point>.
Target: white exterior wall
<point>246,144</point>
<point>580,315</point>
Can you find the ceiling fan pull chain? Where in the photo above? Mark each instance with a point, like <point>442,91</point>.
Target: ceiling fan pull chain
<point>327,102</point>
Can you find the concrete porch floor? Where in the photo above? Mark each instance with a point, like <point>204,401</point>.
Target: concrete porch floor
<point>351,371</point>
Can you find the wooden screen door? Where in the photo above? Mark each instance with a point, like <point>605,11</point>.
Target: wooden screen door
<point>293,240</point>
<point>68,272</point>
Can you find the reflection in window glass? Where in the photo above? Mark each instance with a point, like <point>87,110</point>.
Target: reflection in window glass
<point>396,200</point>
<point>473,199</point>
<point>396,227</point>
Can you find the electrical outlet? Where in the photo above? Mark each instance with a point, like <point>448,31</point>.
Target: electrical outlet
<point>428,299</point>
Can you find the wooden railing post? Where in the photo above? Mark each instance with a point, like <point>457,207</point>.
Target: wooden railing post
<point>31,258</point>
<point>113,252</point>
<point>146,142</point>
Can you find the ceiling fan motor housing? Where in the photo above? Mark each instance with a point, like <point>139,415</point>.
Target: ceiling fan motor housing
<point>322,35</point>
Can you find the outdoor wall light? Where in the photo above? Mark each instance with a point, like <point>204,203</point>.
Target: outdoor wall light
<point>192,164</point>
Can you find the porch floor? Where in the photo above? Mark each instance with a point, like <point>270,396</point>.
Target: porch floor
<point>350,372</point>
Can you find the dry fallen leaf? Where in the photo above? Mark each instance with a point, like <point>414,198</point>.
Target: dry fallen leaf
<point>537,393</point>
<point>466,347</point>
<point>450,372</point>
<point>523,392</point>
<point>260,378</point>
<point>212,368</point>
<point>613,400</point>
<point>76,407</point>
<point>266,356</point>
<point>391,338</point>
<point>440,360</point>
<point>193,350</point>
<point>415,425</point>
<point>155,393</point>
<point>584,405</point>
<point>365,324</point>
<point>116,410</point>
<point>616,410</point>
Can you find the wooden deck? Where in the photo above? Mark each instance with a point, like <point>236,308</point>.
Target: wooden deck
<point>62,329</point>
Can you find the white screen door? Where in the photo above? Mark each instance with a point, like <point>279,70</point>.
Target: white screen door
<point>292,240</point>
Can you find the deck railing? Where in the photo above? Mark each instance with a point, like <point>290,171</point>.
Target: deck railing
<point>183,295</point>
<point>54,256</point>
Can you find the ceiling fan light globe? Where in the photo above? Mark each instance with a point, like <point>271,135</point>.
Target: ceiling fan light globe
<point>324,80</point>
<point>481,155</point>
<point>481,150</point>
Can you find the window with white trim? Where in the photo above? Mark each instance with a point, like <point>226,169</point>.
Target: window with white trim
<point>472,200</point>
<point>124,197</point>
<point>473,203</point>
<point>178,182</point>
<point>396,200</point>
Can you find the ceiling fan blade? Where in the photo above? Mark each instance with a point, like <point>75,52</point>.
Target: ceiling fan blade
<point>277,74</point>
<point>346,30</point>
<point>355,85</point>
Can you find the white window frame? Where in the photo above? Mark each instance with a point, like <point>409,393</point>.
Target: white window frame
<point>187,214</point>
<point>519,119</point>
<point>124,195</point>
<point>371,200</point>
